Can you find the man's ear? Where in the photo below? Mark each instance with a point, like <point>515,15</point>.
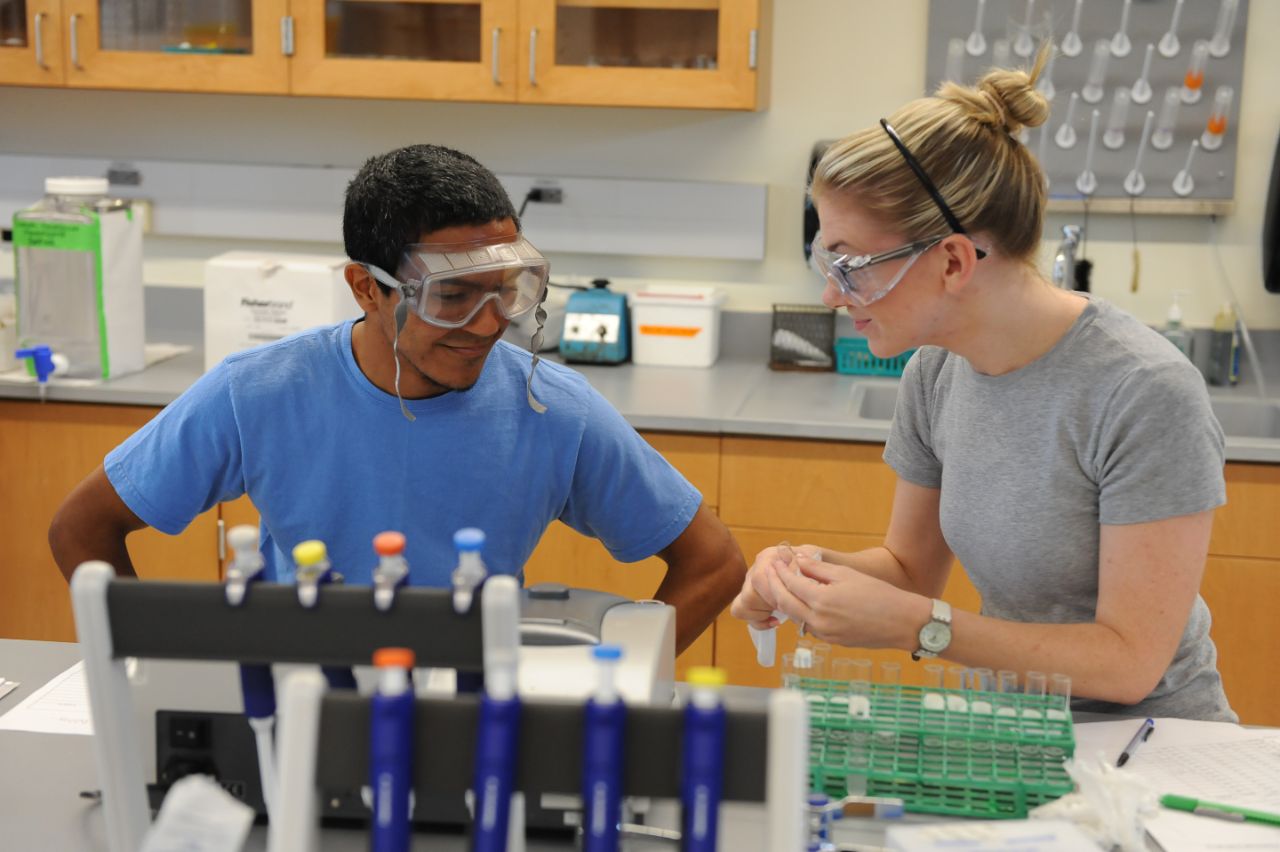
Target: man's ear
<point>960,262</point>
<point>363,287</point>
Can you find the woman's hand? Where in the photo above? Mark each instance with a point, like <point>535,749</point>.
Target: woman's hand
<point>756,602</point>
<point>844,606</point>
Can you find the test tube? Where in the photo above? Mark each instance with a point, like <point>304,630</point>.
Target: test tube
<point>933,684</point>
<point>1023,44</point>
<point>982,681</point>
<point>976,43</point>
<point>1045,84</point>
<point>954,70</point>
<point>1193,80</point>
<point>1066,135</point>
<point>1162,138</point>
<point>1093,91</point>
<point>1169,44</point>
<point>1071,43</point>
<point>1183,183</point>
<point>1120,43</point>
<point>821,658</point>
<point>1141,90</point>
<point>1087,181</point>
<point>1134,182</point>
<point>1000,53</point>
<point>1220,44</point>
<point>1060,689</point>
<point>860,689</point>
<point>890,675</point>
<point>1007,680</point>
<point>1114,137</point>
<point>1036,684</point>
<point>791,672</point>
<point>1216,127</point>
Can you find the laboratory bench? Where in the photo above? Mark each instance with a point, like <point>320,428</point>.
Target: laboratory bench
<point>778,455</point>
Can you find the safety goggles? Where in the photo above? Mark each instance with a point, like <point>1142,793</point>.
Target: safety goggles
<point>868,278</point>
<point>447,286</point>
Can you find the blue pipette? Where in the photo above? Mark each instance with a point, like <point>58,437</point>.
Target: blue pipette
<point>602,756</point>
<point>391,750</point>
<point>702,767</point>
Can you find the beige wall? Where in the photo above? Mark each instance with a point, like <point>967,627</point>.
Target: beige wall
<point>838,65</point>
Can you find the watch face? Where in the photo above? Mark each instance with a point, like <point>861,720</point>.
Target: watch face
<point>935,636</point>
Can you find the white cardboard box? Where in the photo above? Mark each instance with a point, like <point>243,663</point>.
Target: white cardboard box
<point>252,298</point>
<point>676,326</point>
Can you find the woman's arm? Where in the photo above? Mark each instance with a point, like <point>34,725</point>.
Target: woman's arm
<point>1149,575</point>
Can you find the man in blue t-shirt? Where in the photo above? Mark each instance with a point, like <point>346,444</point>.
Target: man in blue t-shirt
<point>416,417</point>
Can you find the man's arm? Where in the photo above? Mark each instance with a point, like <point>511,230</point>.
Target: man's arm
<point>92,524</point>
<point>705,569</point>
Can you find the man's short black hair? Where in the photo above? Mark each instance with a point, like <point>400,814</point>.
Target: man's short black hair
<point>397,197</point>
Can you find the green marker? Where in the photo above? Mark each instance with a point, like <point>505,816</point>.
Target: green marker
<point>1213,809</point>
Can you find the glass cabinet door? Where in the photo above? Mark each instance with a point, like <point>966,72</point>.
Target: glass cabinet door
<point>30,42</point>
<point>449,49</point>
<point>180,45</point>
<point>693,53</point>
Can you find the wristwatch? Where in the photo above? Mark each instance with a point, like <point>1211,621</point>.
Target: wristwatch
<point>935,636</point>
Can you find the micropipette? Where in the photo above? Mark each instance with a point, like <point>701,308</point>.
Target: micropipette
<point>391,750</point>
<point>313,571</point>
<point>602,756</point>
<point>702,766</point>
<point>392,571</point>
<point>257,687</point>
<point>471,571</point>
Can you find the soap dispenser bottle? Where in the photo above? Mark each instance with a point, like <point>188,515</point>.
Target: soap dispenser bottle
<point>1174,331</point>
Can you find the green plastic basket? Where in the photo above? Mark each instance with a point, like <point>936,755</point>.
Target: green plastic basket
<point>854,358</point>
<point>976,754</point>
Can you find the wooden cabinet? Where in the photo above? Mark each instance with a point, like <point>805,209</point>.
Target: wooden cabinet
<point>662,53</point>
<point>45,450</point>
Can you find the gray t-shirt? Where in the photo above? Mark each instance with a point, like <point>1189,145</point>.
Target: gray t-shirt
<point>1111,426</point>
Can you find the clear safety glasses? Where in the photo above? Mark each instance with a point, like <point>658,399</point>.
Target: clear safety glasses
<point>868,278</point>
<point>447,286</point>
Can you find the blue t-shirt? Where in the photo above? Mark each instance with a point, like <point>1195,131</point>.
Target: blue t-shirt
<point>325,454</point>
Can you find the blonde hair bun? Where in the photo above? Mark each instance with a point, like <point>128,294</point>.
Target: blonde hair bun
<point>1005,98</point>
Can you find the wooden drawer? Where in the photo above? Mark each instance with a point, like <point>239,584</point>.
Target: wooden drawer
<point>806,485</point>
<point>1242,595</point>
<point>1247,525</point>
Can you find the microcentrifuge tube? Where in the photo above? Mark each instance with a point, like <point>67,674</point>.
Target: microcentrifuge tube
<point>932,698</point>
<point>1141,90</point>
<point>1000,53</point>
<point>1087,182</point>
<point>1023,44</point>
<point>1120,43</point>
<point>955,61</point>
<point>890,674</point>
<point>1007,680</point>
<point>1066,135</point>
<point>1114,136</point>
<point>1134,182</point>
<point>1093,91</point>
<point>1216,127</point>
<point>1071,43</point>
<point>1036,683</point>
<point>976,43</point>
<point>1162,138</point>
<point>1193,81</point>
<point>1169,44</point>
<point>1183,183</point>
<point>1045,84</point>
<point>1060,689</point>
<point>1220,44</point>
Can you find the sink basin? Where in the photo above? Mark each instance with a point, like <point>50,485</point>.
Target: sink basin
<point>1248,418</point>
<point>875,401</point>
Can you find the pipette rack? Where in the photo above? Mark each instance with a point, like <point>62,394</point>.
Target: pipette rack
<point>942,751</point>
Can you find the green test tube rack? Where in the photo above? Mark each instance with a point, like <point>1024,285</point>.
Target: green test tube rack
<point>959,752</point>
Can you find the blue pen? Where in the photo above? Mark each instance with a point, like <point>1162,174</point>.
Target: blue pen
<point>391,750</point>
<point>257,687</point>
<point>1144,733</point>
<point>313,571</point>
<point>702,765</point>
<point>498,733</point>
<point>602,756</point>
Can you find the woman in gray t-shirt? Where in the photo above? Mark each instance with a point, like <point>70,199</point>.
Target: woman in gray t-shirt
<point>1063,451</point>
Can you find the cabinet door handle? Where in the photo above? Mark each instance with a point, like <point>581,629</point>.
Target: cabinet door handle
<point>75,40</point>
<point>533,56</point>
<point>39,39</point>
<point>287,44</point>
<point>753,50</point>
<point>222,543</point>
<point>495,42</point>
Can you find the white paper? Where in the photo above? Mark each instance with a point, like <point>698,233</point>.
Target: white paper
<point>199,816</point>
<point>1215,761</point>
<point>61,706</point>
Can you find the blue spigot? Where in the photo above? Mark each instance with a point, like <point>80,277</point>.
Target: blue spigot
<point>41,361</point>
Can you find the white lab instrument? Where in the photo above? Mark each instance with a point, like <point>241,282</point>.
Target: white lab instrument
<point>1023,44</point>
<point>1193,80</point>
<point>1216,127</point>
<point>976,43</point>
<point>1071,43</point>
<point>1169,44</point>
<point>1113,138</point>
<point>1134,182</point>
<point>1183,183</point>
<point>1045,84</point>
<point>1066,135</point>
<point>1141,89</point>
<point>1093,84</point>
<point>1087,181</point>
<point>1120,42</point>
<point>1167,123</point>
<point>1220,44</point>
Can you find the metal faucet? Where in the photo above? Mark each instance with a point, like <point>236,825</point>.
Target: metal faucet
<point>1064,261</point>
